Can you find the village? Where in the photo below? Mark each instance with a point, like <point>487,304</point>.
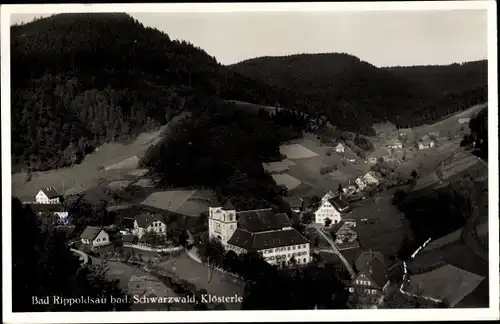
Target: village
<point>341,209</point>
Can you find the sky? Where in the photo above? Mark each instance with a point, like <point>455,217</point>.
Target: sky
<point>380,38</point>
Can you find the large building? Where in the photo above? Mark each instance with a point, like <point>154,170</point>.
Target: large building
<point>331,207</point>
<point>264,231</point>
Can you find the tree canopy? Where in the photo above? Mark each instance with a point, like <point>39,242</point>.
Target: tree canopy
<point>43,265</point>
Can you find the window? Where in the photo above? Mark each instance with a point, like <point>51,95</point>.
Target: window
<point>98,240</point>
<point>304,260</point>
<point>293,247</point>
<point>288,248</point>
<point>104,239</point>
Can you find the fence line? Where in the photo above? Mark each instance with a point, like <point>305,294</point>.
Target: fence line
<point>147,248</point>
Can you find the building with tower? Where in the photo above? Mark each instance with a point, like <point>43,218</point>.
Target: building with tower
<point>264,231</point>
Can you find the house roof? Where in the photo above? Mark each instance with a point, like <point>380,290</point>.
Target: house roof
<point>51,192</point>
<point>48,208</point>
<point>293,202</point>
<point>261,220</point>
<point>266,240</point>
<point>366,257</point>
<point>376,272</point>
<point>91,232</point>
<point>339,204</point>
<point>344,229</point>
<point>128,222</point>
<point>339,145</point>
<point>145,219</point>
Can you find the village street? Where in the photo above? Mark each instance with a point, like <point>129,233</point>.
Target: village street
<point>318,227</point>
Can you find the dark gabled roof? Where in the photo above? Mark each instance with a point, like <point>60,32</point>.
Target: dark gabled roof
<point>344,229</point>
<point>365,258</point>
<point>91,232</point>
<point>145,219</point>
<point>128,222</point>
<point>266,240</point>
<point>47,208</point>
<point>338,203</point>
<point>293,201</point>
<point>376,272</point>
<point>262,220</point>
<point>51,192</point>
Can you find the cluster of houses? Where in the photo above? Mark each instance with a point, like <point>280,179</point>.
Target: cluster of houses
<point>49,200</point>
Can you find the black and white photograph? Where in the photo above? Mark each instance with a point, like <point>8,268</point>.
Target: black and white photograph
<point>250,157</point>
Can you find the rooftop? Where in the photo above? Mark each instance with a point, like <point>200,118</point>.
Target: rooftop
<point>91,232</point>
<point>293,201</point>
<point>266,240</point>
<point>145,219</point>
<point>51,192</point>
<point>261,220</point>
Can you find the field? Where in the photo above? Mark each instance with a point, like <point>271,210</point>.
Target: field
<point>91,170</point>
<point>385,226</point>
<point>221,284</point>
<point>447,283</point>
<point>184,202</point>
<point>312,165</point>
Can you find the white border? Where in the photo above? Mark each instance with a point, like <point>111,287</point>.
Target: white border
<point>252,316</point>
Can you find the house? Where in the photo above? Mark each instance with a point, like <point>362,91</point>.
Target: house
<point>345,234</point>
<point>48,195</point>
<point>351,189</point>
<point>95,237</point>
<point>394,144</point>
<point>425,143</point>
<point>378,153</point>
<point>145,222</point>
<point>339,148</point>
<point>463,121</point>
<point>295,203</point>
<point>361,184</point>
<point>370,280</point>
<point>326,210</point>
<point>370,178</point>
<point>51,208</point>
<point>264,231</point>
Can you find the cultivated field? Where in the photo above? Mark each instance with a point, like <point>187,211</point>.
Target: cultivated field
<point>184,202</point>
<point>447,283</point>
<point>92,170</point>
<point>288,181</point>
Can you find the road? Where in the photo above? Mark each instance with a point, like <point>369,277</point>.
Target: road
<point>349,268</point>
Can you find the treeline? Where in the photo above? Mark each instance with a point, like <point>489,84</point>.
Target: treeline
<point>44,266</point>
<point>268,287</point>
<point>478,136</point>
<point>79,80</point>
<point>223,148</point>
<point>433,214</point>
<point>354,94</point>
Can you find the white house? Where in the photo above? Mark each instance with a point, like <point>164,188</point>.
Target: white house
<point>95,236</point>
<point>370,178</point>
<point>394,144</point>
<point>48,195</point>
<point>361,184</point>
<point>263,231</point>
<point>145,222</point>
<point>425,144</point>
<point>339,148</point>
<point>331,207</point>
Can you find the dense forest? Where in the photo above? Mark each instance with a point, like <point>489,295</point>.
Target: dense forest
<point>79,80</point>
<point>354,94</point>
<point>223,148</point>
<point>477,139</point>
<point>435,213</point>
<point>43,265</point>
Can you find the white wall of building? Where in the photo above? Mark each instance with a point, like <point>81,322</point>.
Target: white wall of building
<point>42,198</point>
<point>326,210</point>
<point>221,223</point>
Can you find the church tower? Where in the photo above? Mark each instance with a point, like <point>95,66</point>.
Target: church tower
<point>222,222</point>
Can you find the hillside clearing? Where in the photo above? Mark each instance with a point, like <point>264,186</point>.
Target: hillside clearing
<point>296,151</point>
<point>445,283</point>
<point>286,180</point>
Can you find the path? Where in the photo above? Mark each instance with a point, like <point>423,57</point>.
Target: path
<point>82,255</point>
<point>335,250</point>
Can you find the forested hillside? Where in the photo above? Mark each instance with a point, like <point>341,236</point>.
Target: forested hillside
<point>79,80</point>
<point>355,94</point>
